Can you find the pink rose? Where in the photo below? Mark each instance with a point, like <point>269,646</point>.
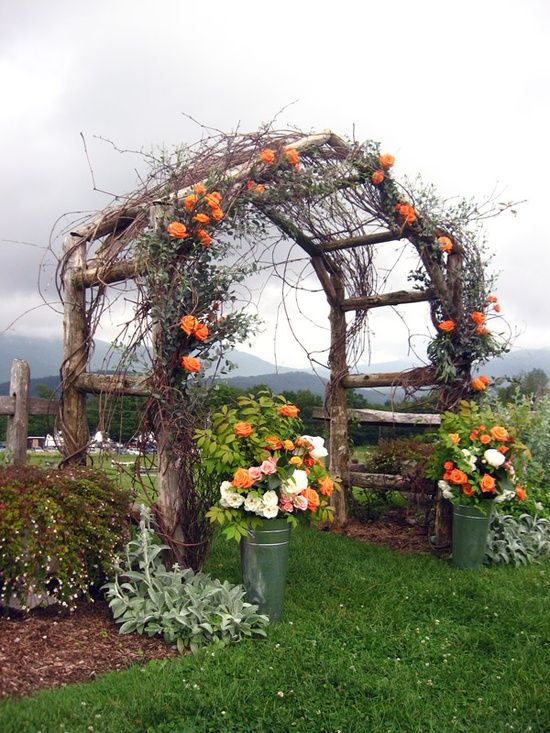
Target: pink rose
<point>269,466</point>
<point>285,504</point>
<point>300,502</point>
<point>255,473</point>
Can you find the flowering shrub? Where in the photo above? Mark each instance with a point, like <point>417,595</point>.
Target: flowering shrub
<point>474,456</point>
<point>59,531</point>
<point>266,468</point>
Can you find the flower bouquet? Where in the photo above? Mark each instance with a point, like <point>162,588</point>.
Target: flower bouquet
<point>474,459</point>
<point>265,468</point>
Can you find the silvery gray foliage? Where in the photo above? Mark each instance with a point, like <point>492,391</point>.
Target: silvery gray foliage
<point>517,540</point>
<point>188,609</point>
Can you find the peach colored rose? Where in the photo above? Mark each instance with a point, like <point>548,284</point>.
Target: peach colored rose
<point>447,326</point>
<point>458,477</point>
<point>202,218</point>
<point>243,429</point>
<point>386,160</point>
<point>288,445</point>
<point>300,502</point>
<point>177,230</point>
<point>217,214</point>
<point>296,461</point>
<point>285,504</point>
<point>269,466</point>
<point>188,324</point>
<point>326,486</point>
<point>499,433</point>
<point>455,438</point>
<point>241,479</point>
<point>497,308</point>
<point>201,332</point>
<point>190,201</point>
<point>273,443</point>
<point>312,497</point>
<point>289,411</point>
<point>213,199</point>
<point>255,473</point>
<point>191,364</point>
<point>487,484</point>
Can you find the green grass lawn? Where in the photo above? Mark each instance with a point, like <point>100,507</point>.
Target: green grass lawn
<point>372,640</point>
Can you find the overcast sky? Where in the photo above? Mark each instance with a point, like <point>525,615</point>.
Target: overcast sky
<point>458,93</point>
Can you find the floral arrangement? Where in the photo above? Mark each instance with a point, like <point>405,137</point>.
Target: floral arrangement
<point>474,458</point>
<point>265,467</point>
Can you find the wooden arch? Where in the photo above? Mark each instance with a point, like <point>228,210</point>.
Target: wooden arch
<point>338,239</point>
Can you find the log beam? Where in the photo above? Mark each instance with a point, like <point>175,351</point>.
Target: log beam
<point>106,274</point>
<point>384,417</point>
<point>115,384</point>
<point>422,376</point>
<point>360,241</point>
<point>18,421</point>
<point>391,482</point>
<point>398,297</point>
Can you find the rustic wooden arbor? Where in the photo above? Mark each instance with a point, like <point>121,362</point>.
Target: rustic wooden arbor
<point>337,218</point>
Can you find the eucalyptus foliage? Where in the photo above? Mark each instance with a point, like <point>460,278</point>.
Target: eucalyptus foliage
<point>186,608</point>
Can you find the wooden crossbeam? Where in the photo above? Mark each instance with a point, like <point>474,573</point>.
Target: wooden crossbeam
<point>106,275</point>
<point>36,406</point>
<point>384,417</point>
<point>115,384</point>
<point>422,377</point>
<point>360,241</point>
<point>397,297</point>
<point>379,481</point>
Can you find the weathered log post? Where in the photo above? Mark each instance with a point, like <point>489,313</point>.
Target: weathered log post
<point>73,420</point>
<point>17,429</point>
<point>337,403</point>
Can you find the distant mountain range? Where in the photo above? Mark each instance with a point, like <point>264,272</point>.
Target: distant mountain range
<point>44,357</point>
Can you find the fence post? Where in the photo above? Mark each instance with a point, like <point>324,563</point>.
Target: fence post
<point>18,423</point>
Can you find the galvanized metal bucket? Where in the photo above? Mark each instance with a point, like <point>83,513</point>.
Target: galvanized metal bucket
<point>470,529</point>
<point>264,562</point>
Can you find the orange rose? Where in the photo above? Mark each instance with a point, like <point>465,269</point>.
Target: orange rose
<point>273,443</point>
<point>312,497</point>
<point>503,449</point>
<point>474,434</point>
<point>202,218</point>
<point>485,439</point>
<point>190,201</point>
<point>177,230</point>
<point>188,324</point>
<point>201,332</point>
<point>467,490</point>
<point>243,429</point>
<point>289,411</point>
<point>190,364</point>
<point>292,156</point>
<point>487,484</point>
<point>446,475</point>
<point>492,298</point>
<point>497,308</point>
<point>521,493</point>
<point>241,479</point>
<point>478,385</point>
<point>217,214</point>
<point>499,433</point>
<point>326,486</point>
<point>213,199</point>
<point>200,189</point>
<point>481,331</point>
<point>455,438</point>
<point>477,317</point>
<point>205,238</point>
<point>288,445</point>
<point>386,160</point>
<point>377,177</point>
<point>260,188</point>
<point>407,212</point>
<point>251,184</point>
<point>448,465</point>
<point>267,156</point>
<point>458,477</point>
<point>447,326</point>
<point>445,244</point>
<point>484,379</point>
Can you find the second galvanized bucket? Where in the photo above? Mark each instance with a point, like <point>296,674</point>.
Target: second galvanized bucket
<point>264,562</point>
<point>470,529</point>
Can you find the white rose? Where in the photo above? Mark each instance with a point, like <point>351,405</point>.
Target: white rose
<point>296,483</point>
<point>446,490</point>
<point>494,458</point>
<point>505,496</point>
<point>318,450</point>
<point>231,500</point>
<point>252,503</point>
<point>270,512</point>
<point>469,457</point>
<point>225,487</point>
<point>270,499</point>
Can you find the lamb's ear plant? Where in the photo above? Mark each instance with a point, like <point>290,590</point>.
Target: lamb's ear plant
<point>188,609</point>
<point>517,540</point>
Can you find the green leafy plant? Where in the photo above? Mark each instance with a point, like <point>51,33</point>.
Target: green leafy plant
<point>517,540</point>
<point>186,608</point>
<point>59,531</point>
<point>267,469</point>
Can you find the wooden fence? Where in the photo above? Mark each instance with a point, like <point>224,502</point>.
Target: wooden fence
<point>18,406</point>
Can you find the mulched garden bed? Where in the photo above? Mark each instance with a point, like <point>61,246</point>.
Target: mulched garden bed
<point>392,531</point>
<point>44,649</point>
